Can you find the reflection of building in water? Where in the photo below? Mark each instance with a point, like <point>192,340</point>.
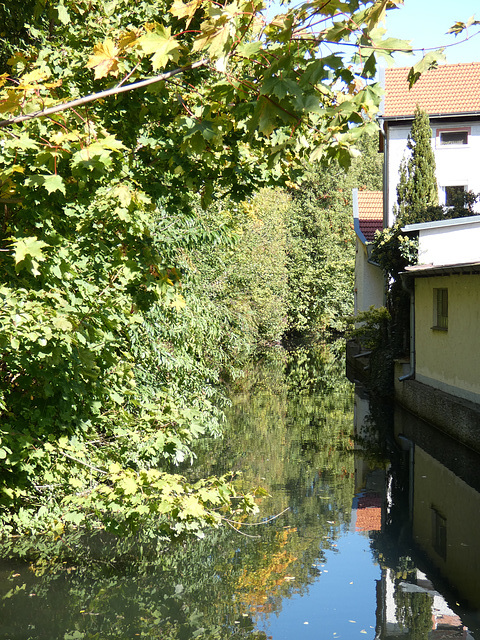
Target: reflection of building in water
<point>369,481</point>
<point>440,487</point>
<point>445,507</point>
<point>361,412</point>
<point>415,603</point>
<point>368,512</point>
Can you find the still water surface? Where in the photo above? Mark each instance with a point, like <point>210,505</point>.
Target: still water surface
<point>356,539</point>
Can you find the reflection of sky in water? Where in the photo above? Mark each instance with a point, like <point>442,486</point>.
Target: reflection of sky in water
<point>300,450</point>
<point>341,603</point>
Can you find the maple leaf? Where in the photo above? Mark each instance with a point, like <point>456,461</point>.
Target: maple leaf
<point>377,11</point>
<point>215,37</point>
<point>34,77</point>
<point>161,44</point>
<point>30,246</point>
<point>128,39</point>
<point>12,103</point>
<point>178,303</point>
<point>187,10</point>
<point>51,182</point>
<point>104,59</point>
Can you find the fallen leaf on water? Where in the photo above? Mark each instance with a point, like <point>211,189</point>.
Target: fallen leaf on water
<point>351,582</point>
<point>305,623</point>
<point>363,631</point>
<point>352,621</point>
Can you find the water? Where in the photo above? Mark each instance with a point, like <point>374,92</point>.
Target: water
<point>350,541</point>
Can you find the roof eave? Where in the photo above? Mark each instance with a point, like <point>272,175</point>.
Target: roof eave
<point>459,114</point>
<point>426,271</point>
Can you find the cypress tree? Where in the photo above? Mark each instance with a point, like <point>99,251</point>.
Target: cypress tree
<point>417,189</point>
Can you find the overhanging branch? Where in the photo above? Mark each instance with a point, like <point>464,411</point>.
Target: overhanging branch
<point>103,94</point>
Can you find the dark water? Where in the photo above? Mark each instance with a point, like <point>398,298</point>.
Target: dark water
<point>352,541</point>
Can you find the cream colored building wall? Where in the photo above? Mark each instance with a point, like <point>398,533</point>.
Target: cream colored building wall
<point>369,285</point>
<point>449,360</point>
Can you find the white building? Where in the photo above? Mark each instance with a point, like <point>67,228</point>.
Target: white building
<point>367,219</point>
<point>451,97</point>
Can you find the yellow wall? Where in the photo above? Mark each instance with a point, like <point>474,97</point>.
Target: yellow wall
<point>449,360</point>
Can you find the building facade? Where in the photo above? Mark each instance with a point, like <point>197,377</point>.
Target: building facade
<point>440,380</point>
<point>450,95</point>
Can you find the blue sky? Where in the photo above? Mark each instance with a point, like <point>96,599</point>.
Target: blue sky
<point>425,23</point>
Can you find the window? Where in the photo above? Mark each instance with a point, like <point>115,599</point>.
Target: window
<point>453,137</point>
<point>440,309</point>
<point>439,533</point>
<point>455,195</point>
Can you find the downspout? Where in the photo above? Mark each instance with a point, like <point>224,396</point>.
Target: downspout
<point>384,134</point>
<point>384,147</point>
<point>409,286</point>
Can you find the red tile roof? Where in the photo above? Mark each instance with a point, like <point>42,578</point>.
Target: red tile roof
<point>369,513</point>
<point>370,213</point>
<point>450,89</point>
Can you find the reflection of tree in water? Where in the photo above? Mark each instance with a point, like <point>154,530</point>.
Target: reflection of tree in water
<point>414,612</point>
<point>289,430</point>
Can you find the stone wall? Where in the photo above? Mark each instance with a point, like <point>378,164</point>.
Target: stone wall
<point>458,418</point>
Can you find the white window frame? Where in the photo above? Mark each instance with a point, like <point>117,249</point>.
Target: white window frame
<point>442,196</point>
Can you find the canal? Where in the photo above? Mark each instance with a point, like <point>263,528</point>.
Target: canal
<point>368,528</point>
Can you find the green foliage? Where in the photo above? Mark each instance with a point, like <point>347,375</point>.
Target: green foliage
<point>321,249</point>
<point>414,612</point>
<point>112,344</point>
<point>368,327</point>
<point>248,278</point>
<point>394,250</point>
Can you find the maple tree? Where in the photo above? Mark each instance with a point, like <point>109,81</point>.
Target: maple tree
<point>118,119</point>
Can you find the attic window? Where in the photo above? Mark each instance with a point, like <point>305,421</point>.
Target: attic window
<point>449,138</point>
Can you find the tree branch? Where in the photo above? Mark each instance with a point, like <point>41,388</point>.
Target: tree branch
<point>103,94</point>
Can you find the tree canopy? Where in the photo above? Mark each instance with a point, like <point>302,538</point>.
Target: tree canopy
<point>122,122</point>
